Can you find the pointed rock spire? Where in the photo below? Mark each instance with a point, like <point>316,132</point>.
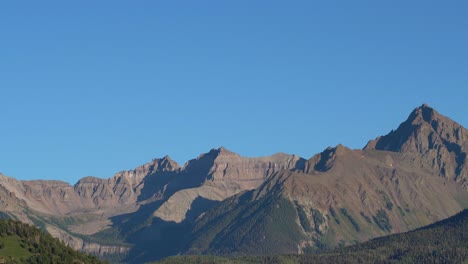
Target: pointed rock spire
<point>440,141</point>
<point>423,129</point>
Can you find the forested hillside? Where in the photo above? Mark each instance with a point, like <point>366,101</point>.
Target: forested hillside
<point>443,242</point>
<point>22,243</point>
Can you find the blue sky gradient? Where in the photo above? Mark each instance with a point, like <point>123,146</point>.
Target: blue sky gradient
<point>95,87</point>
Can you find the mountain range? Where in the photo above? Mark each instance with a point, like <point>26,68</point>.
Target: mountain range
<point>225,204</point>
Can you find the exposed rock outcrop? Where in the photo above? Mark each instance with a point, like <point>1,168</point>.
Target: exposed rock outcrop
<point>78,243</point>
<point>441,142</point>
<point>411,177</point>
<point>220,174</point>
<point>92,202</point>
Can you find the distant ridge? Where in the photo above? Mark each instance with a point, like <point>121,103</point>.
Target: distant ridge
<point>225,204</point>
<point>398,182</point>
<point>158,189</point>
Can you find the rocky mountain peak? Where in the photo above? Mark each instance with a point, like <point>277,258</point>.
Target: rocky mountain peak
<point>441,142</point>
<point>424,114</point>
<point>325,160</point>
<point>89,179</point>
<point>203,163</point>
<point>155,165</point>
<point>223,149</point>
<point>424,129</point>
<point>166,164</point>
<point>223,152</point>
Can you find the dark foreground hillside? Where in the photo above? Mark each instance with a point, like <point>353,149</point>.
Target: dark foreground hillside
<point>22,243</point>
<point>443,242</point>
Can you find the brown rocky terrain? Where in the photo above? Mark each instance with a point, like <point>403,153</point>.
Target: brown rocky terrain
<point>441,143</point>
<point>224,203</point>
<point>87,207</point>
<point>228,174</point>
<point>410,178</point>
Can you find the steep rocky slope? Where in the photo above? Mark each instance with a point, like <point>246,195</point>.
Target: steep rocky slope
<point>224,203</point>
<point>441,143</point>
<point>443,242</point>
<point>201,184</point>
<point>89,193</point>
<point>343,196</point>
<point>228,174</point>
<point>159,189</point>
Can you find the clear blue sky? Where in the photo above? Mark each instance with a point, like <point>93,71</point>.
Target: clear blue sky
<point>95,87</point>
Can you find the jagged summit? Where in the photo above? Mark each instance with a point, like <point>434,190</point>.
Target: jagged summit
<point>155,165</point>
<point>414,175</point>
<point>325,160</point>
<point>441,142</point>
<point>166,164</point>
<point>210,156</point>
<point>423,129</point>
<point>222,151</point>
<point>425,113</point>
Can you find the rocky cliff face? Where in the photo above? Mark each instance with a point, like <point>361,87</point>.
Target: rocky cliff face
<point>125,187</point>
<point>411,177</point>
<point>9,202</point>
<point>220,174</point>
<point>90,247</point>
<point>88,207</point>
<point>89,193</point>
<point>441,142</point>
<point>249,173</point>
<point>341,196</point>
<point>85,208</point>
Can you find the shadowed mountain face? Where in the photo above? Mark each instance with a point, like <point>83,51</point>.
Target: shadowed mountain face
<point>442,242</point>
<point>224,203</point>
<point>159,189</point>
<point>412,177</point>
<point>361,195</point>
<point>441,142</point>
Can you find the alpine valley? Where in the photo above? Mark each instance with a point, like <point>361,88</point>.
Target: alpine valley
<point>224,204</point>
